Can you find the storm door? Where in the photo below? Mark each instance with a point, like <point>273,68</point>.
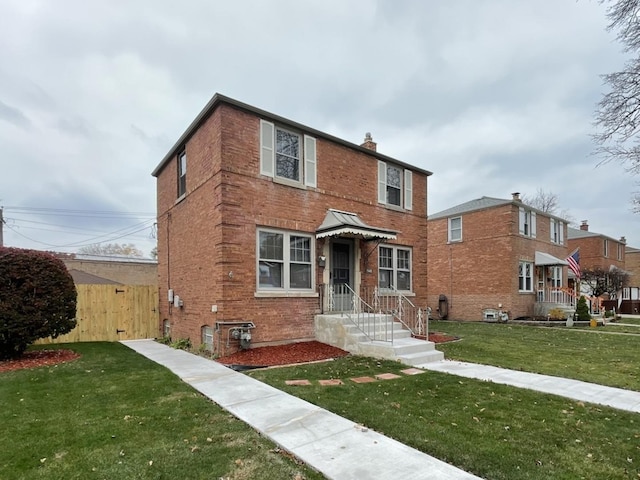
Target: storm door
<point>341,275</point>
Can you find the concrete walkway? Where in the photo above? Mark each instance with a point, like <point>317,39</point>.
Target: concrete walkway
<point>333,445</point>
<point>583,391</point>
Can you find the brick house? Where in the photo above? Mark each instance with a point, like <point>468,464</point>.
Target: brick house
<point>258,215</point>
<point>600,251</point>
<point>491,256</point>
<point>631,295</point>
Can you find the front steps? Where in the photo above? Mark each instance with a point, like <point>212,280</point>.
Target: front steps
<point>338,330</point>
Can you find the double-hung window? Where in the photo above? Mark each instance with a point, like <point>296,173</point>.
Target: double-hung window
<point>394,268</point>
<point>525,277</point>
<point>287,155</point>
<point>455,229</point>
<point>620,251</point>
<point>556,231</point>
<point>606,247</point>
<point>284,261</point>
<point>527,222</point>
<point>395,185</point>
<point>182,173</point>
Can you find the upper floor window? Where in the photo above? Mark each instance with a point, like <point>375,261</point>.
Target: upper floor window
<point>525,277</point>
<point>284,260</point>
<point>455,229</point>
<point>394,268</point>
<point>620,251</point>
<point>287,155</point>
<point>395,185</point>
<point>182,173</point>
<point>527,223</point>
<point>556,230</point>
<point>606,247</point>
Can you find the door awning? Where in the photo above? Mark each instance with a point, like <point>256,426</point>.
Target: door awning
<point>544,259</point>
<point>344,224</point>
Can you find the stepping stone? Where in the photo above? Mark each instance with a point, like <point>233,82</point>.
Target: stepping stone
<point>387,376</point>
<point>363,379</point>
<point>327,383</point>
<point>297,382</point>
<point>412,371</point>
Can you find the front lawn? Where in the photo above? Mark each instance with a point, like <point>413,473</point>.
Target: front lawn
<point>115,414</point>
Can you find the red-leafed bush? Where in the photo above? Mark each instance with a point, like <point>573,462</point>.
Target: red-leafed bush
<point>37,299</point>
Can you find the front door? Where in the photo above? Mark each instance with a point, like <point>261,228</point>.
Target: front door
<point>341,274</point>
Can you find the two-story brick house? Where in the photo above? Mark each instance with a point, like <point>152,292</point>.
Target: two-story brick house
<point>257,214</point>
<point>598,251</point>
<point>489,256</point>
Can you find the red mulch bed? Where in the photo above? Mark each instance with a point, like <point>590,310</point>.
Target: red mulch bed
<point>301,352</point>
<point>38,358</point>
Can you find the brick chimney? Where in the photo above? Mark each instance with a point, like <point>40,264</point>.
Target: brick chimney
<point>623,240</point>
<point>584,226</point>
<point>516,196</point>
<point>369,143</point>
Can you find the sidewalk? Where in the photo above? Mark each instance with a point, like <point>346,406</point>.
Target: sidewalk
<point>583,391</point>
<point>333,445</point>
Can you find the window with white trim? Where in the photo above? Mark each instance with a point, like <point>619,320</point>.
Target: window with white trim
<point>395,185</point>
<point>182,173</point>
<point>527,223</point>
<point>455,229</point>
<point>287,155</point>
<point>556,277</point>
<point>394,268</point>
<point>207,337</point>
<point>284,261</point>
<point>556,231</point>
<point>525,277</point>
<point>620,251</point>
<point>606,247</point>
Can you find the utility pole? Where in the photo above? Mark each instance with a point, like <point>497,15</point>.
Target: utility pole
<point>1,228</point>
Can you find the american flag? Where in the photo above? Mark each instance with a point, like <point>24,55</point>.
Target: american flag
<point>574,262</point>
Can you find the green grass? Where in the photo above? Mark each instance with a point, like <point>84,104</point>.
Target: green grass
<point>591,354</point>
<point>114,414</point>
<point>491,430</point>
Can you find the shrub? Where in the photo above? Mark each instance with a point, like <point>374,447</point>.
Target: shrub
<point>582,310</point>
<point>557,314</point>
<point>37,299</point>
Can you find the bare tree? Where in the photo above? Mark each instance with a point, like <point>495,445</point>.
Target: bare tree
<point>112,249</point>
<point>617,117</point>
<point>547,202</point>
<point>601,280</point>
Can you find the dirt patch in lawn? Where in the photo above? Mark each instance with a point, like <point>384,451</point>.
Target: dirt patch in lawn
<point>38,358</point>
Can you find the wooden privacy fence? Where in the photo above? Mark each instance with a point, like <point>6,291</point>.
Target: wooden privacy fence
<point>113,312</point>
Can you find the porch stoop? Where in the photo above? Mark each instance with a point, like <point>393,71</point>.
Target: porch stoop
<point>338,330</point>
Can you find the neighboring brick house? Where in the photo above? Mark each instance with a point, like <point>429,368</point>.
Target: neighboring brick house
<point>257,213</point>
<point>117,268</point>
<point>631,294</point>
<point>489,256</point>
<point>598,251</point>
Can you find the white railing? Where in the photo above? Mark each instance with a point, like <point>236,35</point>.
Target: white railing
<point>369,310</point>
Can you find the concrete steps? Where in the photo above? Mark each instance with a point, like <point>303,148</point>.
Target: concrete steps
<point>339,331</point>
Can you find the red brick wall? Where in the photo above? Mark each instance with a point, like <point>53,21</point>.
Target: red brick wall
<point>207,242</point>
<point>592,252</point>
<point>481,271</point>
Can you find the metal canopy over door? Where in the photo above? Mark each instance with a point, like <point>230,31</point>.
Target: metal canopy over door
<point>341,273</point>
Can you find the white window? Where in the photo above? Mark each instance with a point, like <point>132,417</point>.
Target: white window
<point>527,223</point>
<point>455,229</point>
<point>525,277</point>
<point>395,186</point>
<point>284,261</point>
<point>620,251</point>
<point>207,337</point>
<point>556,277</point>
<point>394,268</point>
<point>606,247</point>
<point>556,231</point>
<point>182,173</point>
<point>287,155</point>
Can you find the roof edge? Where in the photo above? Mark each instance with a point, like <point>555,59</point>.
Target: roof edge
<point>219,99</point>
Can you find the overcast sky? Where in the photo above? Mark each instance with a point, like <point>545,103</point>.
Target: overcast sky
<point>493,96</point>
